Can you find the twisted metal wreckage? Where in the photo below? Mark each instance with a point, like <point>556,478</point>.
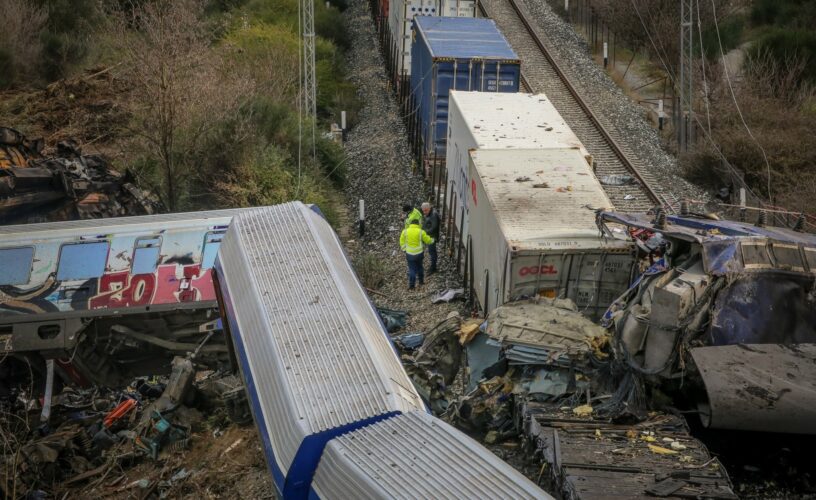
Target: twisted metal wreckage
<point>719,321</point>
<point>69,185</point>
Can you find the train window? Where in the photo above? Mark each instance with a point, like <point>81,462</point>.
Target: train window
<point>82,261</point>
<point>211,243</point>
<point>146,256</point>
<point>15,265</point>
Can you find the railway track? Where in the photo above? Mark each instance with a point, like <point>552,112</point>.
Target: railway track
<point>541,74</point>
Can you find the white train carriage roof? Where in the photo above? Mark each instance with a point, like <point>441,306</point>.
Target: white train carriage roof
<point>415,455</point>
<point>67,229</point>
<point>315,349</point>
<point>538,195</point>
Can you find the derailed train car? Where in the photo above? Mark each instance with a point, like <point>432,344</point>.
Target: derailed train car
<point>338,416</point>
<point>723,318</point>
<point>110,298</point>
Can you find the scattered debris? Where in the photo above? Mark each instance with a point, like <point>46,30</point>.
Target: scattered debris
<point>96,433</point>
<point>448,295</point>
<point>392,319</point>
<point>65,186</point>
<point>617,180</point>
<point>410,341</point>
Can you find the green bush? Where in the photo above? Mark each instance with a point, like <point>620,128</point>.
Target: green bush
<point>795,13</point>
<point>67,35</point>
<point>731,30</point>
<point>783,43</point>
<point>7,62</point>
<point>332,159</point>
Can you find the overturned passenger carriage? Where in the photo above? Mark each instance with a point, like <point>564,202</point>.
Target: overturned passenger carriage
<point>338,415</point>
<point>722,315</point>
<point>111,298</point>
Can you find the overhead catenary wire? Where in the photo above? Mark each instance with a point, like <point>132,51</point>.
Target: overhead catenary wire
<point>703,69</point>
<point>734,98</point>
<point>706,133</point>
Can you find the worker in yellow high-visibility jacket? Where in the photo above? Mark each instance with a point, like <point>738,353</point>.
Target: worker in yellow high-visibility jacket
<point>411,213</point>
<point>413,241</point>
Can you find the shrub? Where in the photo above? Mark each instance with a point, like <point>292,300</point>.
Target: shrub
<point>371,270</point>
<point>786,43</point>
<point>67,36</point>
<point>20,46</point>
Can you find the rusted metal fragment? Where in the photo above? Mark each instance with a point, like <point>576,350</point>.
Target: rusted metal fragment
<point>594,458</point>
<point>69,185</point>
<point>759,387</point>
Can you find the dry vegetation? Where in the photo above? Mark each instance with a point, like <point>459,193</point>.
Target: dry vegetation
<point>773,90</point>
<point>198,98</point>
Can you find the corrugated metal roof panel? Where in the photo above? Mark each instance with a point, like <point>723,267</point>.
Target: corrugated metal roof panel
<point>526,213</point>
<point>125,223</point>
<point>314,344</point>
<point>415,455</point>
<point>464,38</point>
<point>522,121</point>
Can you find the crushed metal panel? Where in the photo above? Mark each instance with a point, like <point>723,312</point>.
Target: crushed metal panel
<point>771,307</point>
<point>546,326</point>
<point>759,387</point>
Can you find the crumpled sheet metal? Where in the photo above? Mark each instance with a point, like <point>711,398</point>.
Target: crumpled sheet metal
<point>759,387</point>
<point>542,332</point>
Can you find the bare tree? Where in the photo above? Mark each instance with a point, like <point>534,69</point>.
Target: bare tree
<point>654,25</point>
<point>182,86</point>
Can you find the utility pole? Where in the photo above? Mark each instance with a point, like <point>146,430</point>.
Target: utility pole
<point>685,118</point>
<point>309,74</point>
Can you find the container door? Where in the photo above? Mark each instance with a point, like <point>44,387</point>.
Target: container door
<point>538,274</point>
<point>459,8</point>
<point>597,279</point>
<point>497,76</point>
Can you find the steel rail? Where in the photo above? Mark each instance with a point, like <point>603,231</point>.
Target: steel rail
<point>655,197</point>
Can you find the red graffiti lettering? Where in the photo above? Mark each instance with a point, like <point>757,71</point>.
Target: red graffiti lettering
<point>121,289</point>
<point>534,270</point>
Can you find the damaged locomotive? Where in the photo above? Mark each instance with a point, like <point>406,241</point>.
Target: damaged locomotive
<point>721,318</point>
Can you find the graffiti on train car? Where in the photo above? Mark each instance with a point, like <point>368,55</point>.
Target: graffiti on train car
<point>123,289</point>
<point>169,284</point>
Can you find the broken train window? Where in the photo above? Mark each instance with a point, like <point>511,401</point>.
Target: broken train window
<point>15,265</point>
<point>212,241</point>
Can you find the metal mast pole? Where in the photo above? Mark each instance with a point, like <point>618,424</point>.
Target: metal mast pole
<point>309,73</point>
<point>685,84</point>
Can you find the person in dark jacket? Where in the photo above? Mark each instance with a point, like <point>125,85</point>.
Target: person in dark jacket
<point>430,224</point>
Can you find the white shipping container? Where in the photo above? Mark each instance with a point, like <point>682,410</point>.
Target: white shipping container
<point>533,231</point>
<point>478,120</point>
<point>400,16</point>
<point>459,8</point>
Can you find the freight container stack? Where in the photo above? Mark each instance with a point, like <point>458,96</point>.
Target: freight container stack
<point>536,174</point>
<point>401,14</point>
<point>453,53</point>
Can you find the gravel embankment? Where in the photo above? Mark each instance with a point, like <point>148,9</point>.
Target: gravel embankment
<point>572,54</point>
<point>380,172</point>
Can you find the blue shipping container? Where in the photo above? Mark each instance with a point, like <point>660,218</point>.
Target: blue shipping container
<point>457,53</point>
